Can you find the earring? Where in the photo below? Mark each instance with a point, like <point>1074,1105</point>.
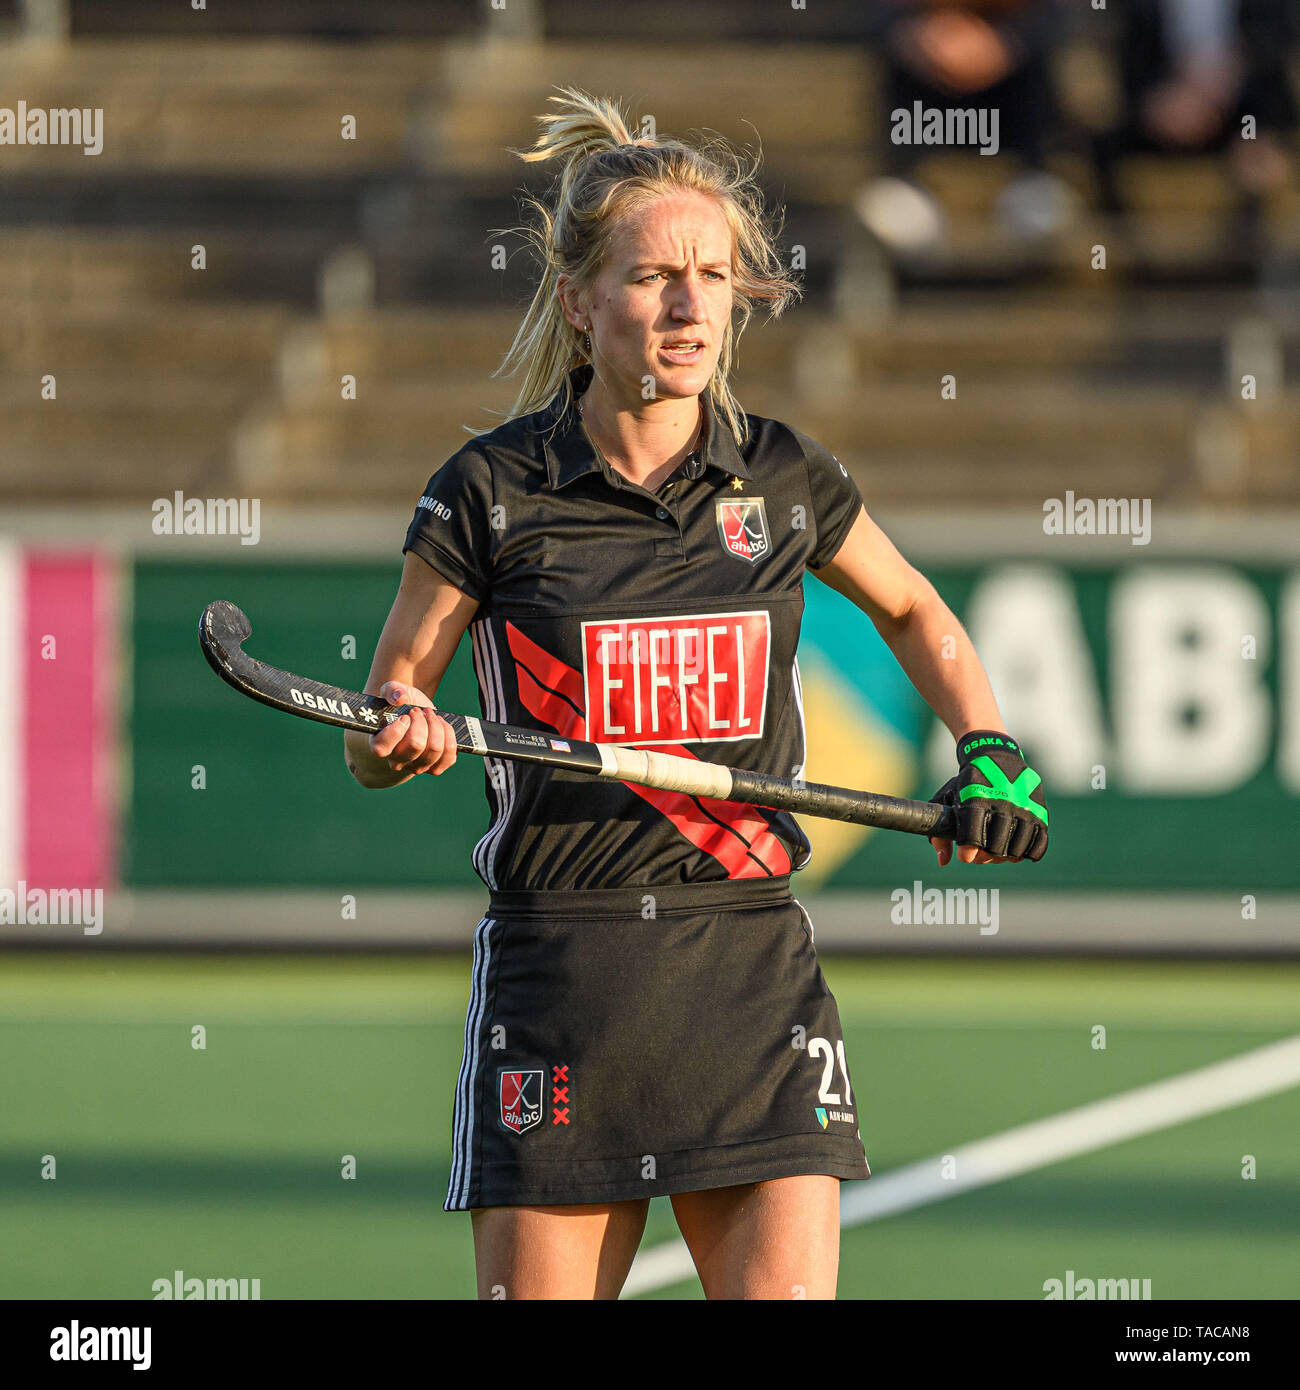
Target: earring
<point>587,330</point>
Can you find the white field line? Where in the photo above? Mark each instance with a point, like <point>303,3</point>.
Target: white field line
<point>1261,1072</point>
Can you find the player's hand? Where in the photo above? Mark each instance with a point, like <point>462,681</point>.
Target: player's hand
<point>998,802</point>
<point>421,741</point>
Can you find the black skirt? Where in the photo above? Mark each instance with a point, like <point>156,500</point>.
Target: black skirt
<point>631,1043</point>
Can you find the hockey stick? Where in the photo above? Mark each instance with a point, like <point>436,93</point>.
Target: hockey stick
<point>223,629</point>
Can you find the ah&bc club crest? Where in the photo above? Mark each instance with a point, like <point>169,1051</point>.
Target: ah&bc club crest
<point>521,1098</point>
<point>742,524</point>
<point>520,1090</point>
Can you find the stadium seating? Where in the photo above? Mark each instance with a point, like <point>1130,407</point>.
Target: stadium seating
<point>229,376</point>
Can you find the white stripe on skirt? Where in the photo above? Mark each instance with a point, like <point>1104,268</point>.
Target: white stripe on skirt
<point>462,1126</point>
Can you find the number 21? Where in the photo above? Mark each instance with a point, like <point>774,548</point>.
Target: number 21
<point>820,1047</point>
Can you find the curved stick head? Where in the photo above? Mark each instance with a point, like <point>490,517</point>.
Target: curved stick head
<point>223,628</point>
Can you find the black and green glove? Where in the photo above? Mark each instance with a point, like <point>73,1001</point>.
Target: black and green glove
<point>997,798</point>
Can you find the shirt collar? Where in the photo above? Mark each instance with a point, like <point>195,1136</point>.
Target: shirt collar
<point>569,453</point>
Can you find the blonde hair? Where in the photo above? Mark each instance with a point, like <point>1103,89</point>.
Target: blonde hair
<point>606,175</point>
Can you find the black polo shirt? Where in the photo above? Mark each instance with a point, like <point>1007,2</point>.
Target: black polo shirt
<point>664,620</point>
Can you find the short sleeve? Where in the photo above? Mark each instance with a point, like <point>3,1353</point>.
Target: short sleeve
<point>451,529</point>
<point>836,500</point>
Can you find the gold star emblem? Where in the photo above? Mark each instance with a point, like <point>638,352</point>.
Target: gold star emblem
<point>736,484</point>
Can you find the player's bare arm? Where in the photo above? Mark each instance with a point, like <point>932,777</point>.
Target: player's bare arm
<point>917,626</point>
<point>424,626</point>
<point>939,659</point>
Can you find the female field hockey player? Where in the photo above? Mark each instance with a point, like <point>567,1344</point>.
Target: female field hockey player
<point>647,1016</point>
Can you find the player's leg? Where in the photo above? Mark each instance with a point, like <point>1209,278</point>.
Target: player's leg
<point>576,1252</point>
<point>773,1239</point>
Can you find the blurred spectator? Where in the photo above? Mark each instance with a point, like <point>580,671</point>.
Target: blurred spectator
<point>992,55</point>
<point>1190,70</point>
